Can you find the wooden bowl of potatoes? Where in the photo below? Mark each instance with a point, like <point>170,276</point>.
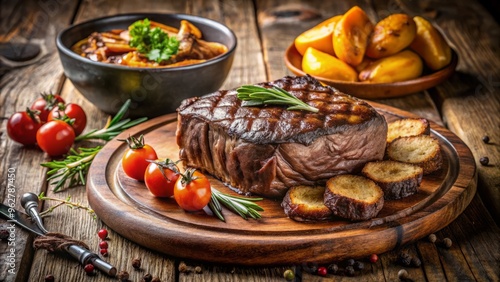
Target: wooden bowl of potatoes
<point>399,55</point>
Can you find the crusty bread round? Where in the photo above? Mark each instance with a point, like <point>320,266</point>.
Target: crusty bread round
<point>353,197</point>
<point>407,127</point>
<point>305,203</point>
<point>422,150</point>
<point>396,179</point>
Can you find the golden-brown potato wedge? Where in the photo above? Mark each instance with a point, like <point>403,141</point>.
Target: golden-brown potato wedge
<point>399,67</point>
<point>319,37</point>
<point>430,44</point>
<point>391,35</point>
<point>317,63</point>
<point>350,37</point>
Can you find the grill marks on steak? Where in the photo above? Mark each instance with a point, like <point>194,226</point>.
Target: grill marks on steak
<point>266,150</point>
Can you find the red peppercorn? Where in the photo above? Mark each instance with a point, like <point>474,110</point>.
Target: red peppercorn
<point>103,234</point>
<point>89,269</point>
<point>104,252</point>
<point>373,258</point>
<point>103,245</point>
<point>322,271</point>
<point>49,278</point>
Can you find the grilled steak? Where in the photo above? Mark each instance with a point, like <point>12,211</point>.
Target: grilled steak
<point>266,150</point>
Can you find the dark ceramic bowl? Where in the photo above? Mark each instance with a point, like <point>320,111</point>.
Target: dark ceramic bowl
<point>153,91</point>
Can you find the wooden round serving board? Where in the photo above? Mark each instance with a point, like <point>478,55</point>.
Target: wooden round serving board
<point>127,207</point>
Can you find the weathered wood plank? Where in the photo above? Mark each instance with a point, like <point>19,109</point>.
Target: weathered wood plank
<point>34,22</point>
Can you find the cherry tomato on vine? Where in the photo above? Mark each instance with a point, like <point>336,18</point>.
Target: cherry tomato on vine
<point>45,104</point>
<point>136,158</point>
<point>160,177</point>
<point>192,190</point>
<point>55,137</point>
<point>72,111</point>
<point>22,127</point>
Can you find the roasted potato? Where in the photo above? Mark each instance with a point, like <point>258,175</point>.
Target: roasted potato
<point>391,35</point>
<point>317,63</point>
<point>350,37</point>
<point>319,37</point>
<point>399,67</point>
<point>430,45</point>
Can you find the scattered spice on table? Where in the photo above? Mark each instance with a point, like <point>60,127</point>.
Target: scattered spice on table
<point>484,161</point>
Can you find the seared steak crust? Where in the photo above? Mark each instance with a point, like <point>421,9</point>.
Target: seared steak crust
<point>266,150</point>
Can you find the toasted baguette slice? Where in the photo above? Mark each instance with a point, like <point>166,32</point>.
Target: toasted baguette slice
<point>422,150</point>
<point>407,127</point>
<point>353,197</point>
<point>396,179</point>
<point>305,203</point>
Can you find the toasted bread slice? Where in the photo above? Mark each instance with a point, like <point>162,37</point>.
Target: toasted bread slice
<point>353,197</point>
<point>396,179</point>
<point>422,150</point>
<point>305,203</point>
<point>407,127</point>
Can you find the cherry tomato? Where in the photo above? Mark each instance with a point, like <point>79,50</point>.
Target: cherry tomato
<point>136,158</point>
<point>192,190</point>
<point>72,111</point>
<point>160,178</point>
<point>22,127</point>
<point>45,104</point>
<point>55,137</point>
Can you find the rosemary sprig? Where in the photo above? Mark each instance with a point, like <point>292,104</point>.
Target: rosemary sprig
<point>62,202</point>
<point>243,206</point>
<point>73,169</point>
<point>113,127</point>
<point>253,95</point>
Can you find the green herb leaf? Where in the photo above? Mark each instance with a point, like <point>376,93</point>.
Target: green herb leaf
<point>253,95</point>
<point>154,43</point>
<point>243,206</point>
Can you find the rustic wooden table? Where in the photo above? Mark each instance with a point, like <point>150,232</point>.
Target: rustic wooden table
<point>468,104</point>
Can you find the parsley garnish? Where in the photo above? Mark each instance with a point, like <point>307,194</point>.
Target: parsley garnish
<point>154,43</point>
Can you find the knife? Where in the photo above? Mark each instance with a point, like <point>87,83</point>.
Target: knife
<point>83,255</point>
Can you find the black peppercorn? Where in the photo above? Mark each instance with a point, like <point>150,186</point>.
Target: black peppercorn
<point>333,268</point>
<point>416,262</point>
<point>486,139</point>
<point>350,262</point>
<point>484,160</point>
<point>198,269</point>
<point>447,242</point>
<point>404,258</point>
<point>136,263</point>
<point>358,265</point>
<point>123,276</point>
<point>432,238</point>
<point>349,270</point>
<point>49,278</point>
<point>4,234</point>
<point>147,277</point>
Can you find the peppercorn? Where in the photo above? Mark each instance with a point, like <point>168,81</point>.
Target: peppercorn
<point>486,139</point>
<point>49,278</point>
<point>349,270</point>
<point>103,245</point>
<point>373,258</point>
<point>136,263</point>
<point>89,269</point>
<point>147,277</point>
<point>350,262</point>
<point>123,276</point>
<point>447,242</point>
<point>403,274</point>
<point>358,265</point>
<point>156,279</point>
<point>416,262</point>
<point>333,268</point>
<point>432,238</point>
<point>4,234</point>
<point>484,160</point>
<point>104,252</point>
<point>322,271</point>
<point>289,275</point>
<point>198,269</point>
<point>184,268</point>
<point>103,234</point>
<point>404,258</point>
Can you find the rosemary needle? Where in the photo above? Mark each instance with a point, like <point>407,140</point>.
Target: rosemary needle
<point>244,207</point>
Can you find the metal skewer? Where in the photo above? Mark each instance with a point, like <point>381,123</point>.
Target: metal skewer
<point>29,201</point>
